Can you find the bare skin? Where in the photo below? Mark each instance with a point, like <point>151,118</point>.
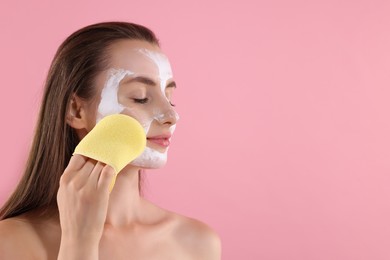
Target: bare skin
<point>154,234</point>
<point>90,222</point>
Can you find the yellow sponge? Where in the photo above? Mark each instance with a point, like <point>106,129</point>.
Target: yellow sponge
<point>115,140</point>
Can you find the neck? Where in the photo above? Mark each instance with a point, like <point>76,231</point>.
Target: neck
<point>125,200</point>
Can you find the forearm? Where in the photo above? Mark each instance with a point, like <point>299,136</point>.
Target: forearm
<point>72,249</point>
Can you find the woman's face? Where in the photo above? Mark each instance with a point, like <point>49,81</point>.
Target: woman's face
<point>139,83</point>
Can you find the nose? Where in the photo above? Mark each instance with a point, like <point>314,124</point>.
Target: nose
<point>169,116</point>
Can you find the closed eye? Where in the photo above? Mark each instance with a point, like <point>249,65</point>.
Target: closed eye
<point>141,101</point>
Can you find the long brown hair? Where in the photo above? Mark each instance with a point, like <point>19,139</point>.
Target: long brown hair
<point>75,65</point>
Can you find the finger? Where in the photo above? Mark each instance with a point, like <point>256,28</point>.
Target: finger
<point>106,178</point>
<point>88,167</point>
<point>76,162</point>
<point>85,171</point>
<point>94,176</point>
<point>81,179</point>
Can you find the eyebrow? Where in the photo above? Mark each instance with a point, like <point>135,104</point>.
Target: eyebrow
<point>147,81</point>
<point>144,80</point>
<point>171,85</point>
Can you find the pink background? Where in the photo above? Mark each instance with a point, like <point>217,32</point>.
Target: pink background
<point>283,144</point>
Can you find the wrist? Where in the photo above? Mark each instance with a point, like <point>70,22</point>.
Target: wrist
<point>73,248</point>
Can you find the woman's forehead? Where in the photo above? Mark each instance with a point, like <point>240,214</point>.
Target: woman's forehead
<point>139,57</point>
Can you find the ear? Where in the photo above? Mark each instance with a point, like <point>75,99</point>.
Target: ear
<point>76,115</point>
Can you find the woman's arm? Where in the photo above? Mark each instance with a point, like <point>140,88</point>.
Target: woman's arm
<point>71,249</point>
<point>82,202</point>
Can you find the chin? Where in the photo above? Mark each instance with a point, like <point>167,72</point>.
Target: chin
<point>150,159</point>
<point>149,165</point>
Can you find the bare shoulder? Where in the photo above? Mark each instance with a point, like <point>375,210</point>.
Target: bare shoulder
<point>16,238</point>
<point>14,229</point>
<point>197,238</point>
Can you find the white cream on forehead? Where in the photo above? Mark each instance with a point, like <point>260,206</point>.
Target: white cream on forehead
<point>164,67</point>
<point>109,105</point>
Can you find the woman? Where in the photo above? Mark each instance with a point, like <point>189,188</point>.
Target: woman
<point>62,208</point>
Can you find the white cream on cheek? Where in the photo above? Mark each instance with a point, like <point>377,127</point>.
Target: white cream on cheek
<point>109,97</point>
<point>152,158</point>
<point>109,104</point>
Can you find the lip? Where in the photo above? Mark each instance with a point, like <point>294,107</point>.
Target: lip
<point>161,140</point>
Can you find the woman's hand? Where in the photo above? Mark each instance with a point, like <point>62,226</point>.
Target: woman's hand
<point>83,201</point>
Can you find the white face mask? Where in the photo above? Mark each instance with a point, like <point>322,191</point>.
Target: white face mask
<point>147,64</point>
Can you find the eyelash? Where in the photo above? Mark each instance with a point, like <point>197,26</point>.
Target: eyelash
<point>141,101</point>
<point>145,100</point>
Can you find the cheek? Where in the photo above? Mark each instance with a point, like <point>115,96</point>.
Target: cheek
<point>142,116</point>
<point>172,128</point>
<point>109,104</point>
